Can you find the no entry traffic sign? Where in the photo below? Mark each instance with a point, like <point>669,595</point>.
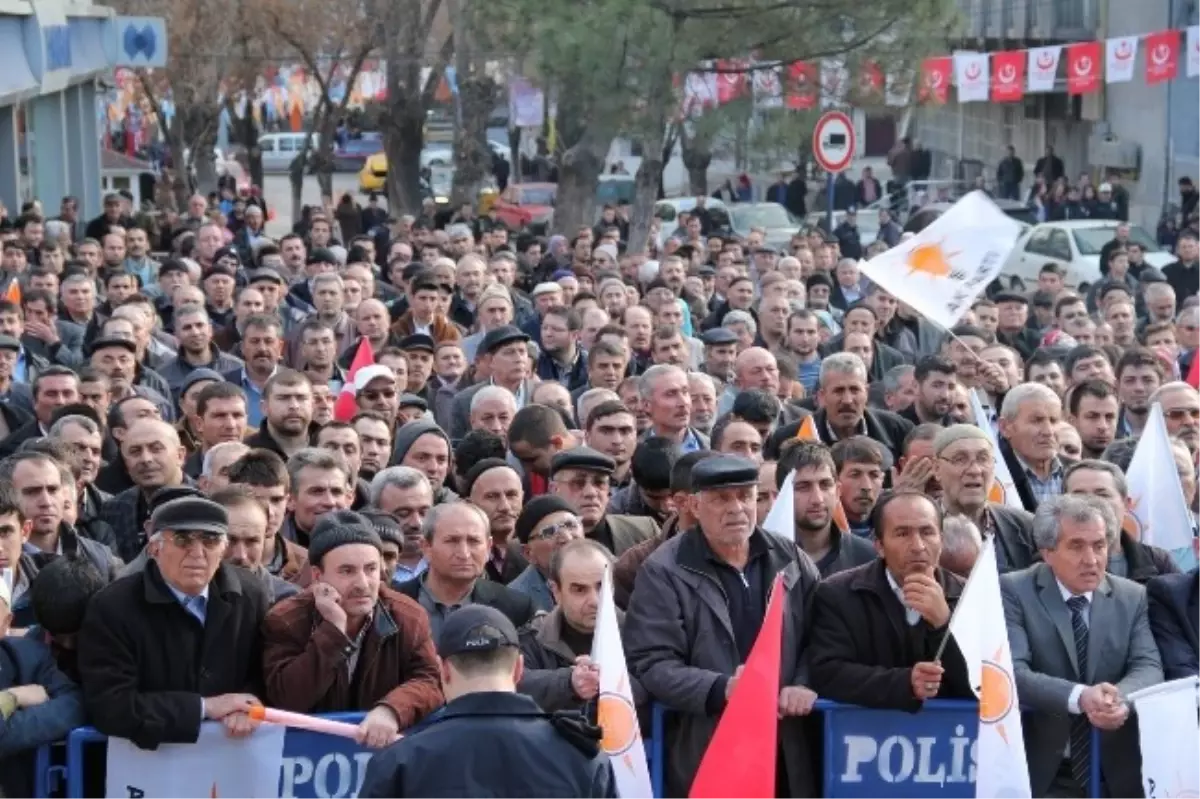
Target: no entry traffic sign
<point>833,141</point>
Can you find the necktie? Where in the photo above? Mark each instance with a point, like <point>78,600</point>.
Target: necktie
<point>1081,729</point>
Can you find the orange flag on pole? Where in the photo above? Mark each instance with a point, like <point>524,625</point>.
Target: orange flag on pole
<point>808,432</point>
<point>740,758</point>
<point>345,408</point>
<point>13,292</point>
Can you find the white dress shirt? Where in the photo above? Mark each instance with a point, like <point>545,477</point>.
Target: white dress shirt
<point>911,616</point>
<point>1073,699</point>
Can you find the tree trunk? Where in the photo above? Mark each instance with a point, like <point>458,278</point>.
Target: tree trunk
<point>514,155</point>
<point>248,134</point>
<point>578,174</point>
<point>697,155</point>
<point>324,171</point>
<point>649,177</point>
<point>472,155</point>
<point>403,138</point>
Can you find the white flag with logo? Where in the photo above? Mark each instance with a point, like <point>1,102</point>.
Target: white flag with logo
<point>1042,69</point>
<point>216,765</point>
<point>1193,51</point>
<point>1120,53</point>
<point>940,271</point>
<point>979,630</point>
<point>1159,514</point>
<point>781,519</point>
<point>1170,737</point>
<point>971,76</point>
<point>1003,490</point>
<point>616,712</point>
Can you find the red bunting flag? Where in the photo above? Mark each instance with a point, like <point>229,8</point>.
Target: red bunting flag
<point>1083,67</point>
<point>345,408</point>
<point>1162,56</point>
<point>803,86</point>
<point>1008,76</point>
<point>740,758</point>
<point>935,80</point>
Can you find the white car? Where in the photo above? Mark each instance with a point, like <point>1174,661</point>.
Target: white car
<point>1075,246</point>
<point>442,153</point>
<point>668,211</point>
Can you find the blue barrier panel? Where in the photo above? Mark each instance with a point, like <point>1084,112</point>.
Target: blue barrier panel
<point>656,749</point>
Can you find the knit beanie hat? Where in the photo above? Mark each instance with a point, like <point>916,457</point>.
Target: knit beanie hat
<point>477,470</point>
<point>957,432</point>
<point>339,528</point>
<point>409,432</point>
<point>538,509</point>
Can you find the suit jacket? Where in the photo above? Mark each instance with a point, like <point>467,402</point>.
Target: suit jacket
<point>1121,651</point>
<point>518,607</point>
<point>862,649</point>
<point>1174,606</point>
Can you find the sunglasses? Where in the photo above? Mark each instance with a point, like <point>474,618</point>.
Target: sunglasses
<point>184,539</point>
<point>568,525</point>
<point>377,394</point>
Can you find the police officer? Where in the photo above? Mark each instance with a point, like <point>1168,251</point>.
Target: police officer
<point>489,740</point>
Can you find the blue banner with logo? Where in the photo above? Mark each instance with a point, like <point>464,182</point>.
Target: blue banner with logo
<point>896,754</point>
<point>316,765</point>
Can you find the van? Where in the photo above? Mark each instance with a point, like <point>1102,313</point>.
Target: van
<point>280,149</point>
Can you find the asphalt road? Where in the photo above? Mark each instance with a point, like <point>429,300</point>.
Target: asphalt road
<point>278,194</point>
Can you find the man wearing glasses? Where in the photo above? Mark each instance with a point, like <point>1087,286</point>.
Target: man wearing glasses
<point>163,650</point>
<point>966,468</point>
<point>546,525</point>
<point>583,477</point>
<point>1181,410</point>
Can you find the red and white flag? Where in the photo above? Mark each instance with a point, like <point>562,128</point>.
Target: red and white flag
<point>935,80</point>
<point>1083,68</point>
<point>1008,76</point>
<point>1043,67</point>
<point>1120,53</point>
<point>1193,51</point>
<point>346,407</point>
<point>971,76</point>
<point>1162,56</point>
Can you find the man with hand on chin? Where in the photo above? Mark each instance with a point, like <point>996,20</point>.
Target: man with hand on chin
<point>349,643</point>
<point>877,628</point>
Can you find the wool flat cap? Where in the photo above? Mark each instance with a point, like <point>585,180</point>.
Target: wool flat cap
<point>724,471</point>
<point>190,514</point>
<point>9,343</point>
<point>339,528</point>
<point>477,470</point>
<point>538,509</point>
<point>719,336</point>
<point>475,628</point>
<point>385,524</point>
<point>264,273</point>
<point>495,339</point>
<point>417,342</point>
<point>323,255</point>
<point>1010,296</point>
<point>222,269</point>
<point>544,288</point>
<point>413,401</point>
<point>583,458</point>
<point>105,342</point>
<point>957,432</point>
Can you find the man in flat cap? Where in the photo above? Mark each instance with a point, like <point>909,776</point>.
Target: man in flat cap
<point>716,578</point>
<point>503,355</point>
<point>583,477</point>
<point>497,741</point>
<point>349,643</point>
<point>162,650</point>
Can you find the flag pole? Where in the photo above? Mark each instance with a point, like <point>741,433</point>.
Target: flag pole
<point>937,658</point>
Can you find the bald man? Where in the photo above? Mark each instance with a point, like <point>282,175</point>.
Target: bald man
<point>154,456</point>
<point>755,367</point>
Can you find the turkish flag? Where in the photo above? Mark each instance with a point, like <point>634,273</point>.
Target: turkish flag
<point>935,80</point>
<point>346,407</point>
<point>1008,76</point>
<point>730,85</point>
<point>1162,56</point>
<point>740,758</point>
<point>803,86</point>
<point>1083,67</point>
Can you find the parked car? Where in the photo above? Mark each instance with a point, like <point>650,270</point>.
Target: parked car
<point>868,222</point>
<point>668,211</point>
<point>526,205</point>
<point>924,216</point>
<point>373,175</point>
<point>615,190</point>
<point>353,155</point>
<point>778,222</point>
<point>1075,245</point>
<point>280,149</point>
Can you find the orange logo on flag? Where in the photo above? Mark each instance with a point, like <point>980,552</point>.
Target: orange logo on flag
<point>808,430</point>
<point>1132,526</point>
<point>930,259</point>
<point>618,719</point>
<point>995,695</point>
<point>997,493</point>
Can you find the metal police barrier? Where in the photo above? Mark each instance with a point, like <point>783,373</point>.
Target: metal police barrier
<point>314,765</point>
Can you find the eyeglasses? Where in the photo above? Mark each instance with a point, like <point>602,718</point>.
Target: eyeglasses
<point>1182,414</point>
<point>185,538</point>
<point>379,393</point>
<point>595,481</point>
<point>566,526</point>
<point>963,460</point>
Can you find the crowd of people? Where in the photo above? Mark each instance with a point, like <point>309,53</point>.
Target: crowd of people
<point>202,510</point>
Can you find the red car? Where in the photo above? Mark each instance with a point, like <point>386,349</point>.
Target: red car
<point>526,205</point>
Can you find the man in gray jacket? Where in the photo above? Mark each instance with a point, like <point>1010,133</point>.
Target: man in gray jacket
<point>716,578</point>
<point>1081,644</point>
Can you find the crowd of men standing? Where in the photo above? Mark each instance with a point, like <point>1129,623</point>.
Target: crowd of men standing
<point>192,522</point>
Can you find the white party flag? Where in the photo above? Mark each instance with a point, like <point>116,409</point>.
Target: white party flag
<point>1120,53</point>
<point>1003,490</point>
<point>1192,57</point>
<point>781,519</point>
<point>971,76</point>
<point>940,271</point>
<point>979,630</point>
<point>616,712</point>
<point>1170,737</point>
<point>216,765</point>
<point>1042,69</point>
<point>1159,515</point>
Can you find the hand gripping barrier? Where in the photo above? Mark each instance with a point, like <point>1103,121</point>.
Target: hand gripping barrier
<point>867,752</point>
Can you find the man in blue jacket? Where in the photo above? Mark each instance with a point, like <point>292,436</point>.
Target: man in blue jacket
<point>500,741</point>
<point>38,703</point>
